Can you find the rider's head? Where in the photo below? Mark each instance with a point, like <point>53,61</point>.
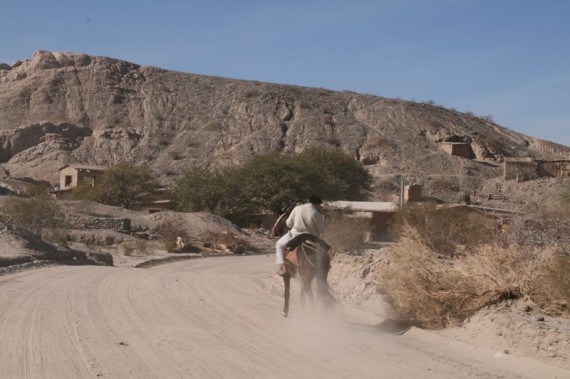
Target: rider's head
<point>316,200</point>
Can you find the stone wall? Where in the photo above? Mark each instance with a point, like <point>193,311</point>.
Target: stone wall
<point>556,169</point>
<point>116,224</point>
<point>458,149</point>
<point>520,169</point>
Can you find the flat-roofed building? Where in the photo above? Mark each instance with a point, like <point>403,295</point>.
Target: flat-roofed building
<point>380,215</point>
<point>74,175</point>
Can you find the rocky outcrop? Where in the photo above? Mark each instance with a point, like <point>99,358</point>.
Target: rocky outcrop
<point>59,136</point>
<point>114,111</point>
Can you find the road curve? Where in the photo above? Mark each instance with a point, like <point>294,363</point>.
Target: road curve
<point>207,318</point>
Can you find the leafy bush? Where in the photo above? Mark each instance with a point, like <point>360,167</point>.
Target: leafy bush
<point>33,214</point>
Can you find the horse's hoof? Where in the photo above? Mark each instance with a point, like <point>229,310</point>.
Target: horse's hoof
<point>284,314</point>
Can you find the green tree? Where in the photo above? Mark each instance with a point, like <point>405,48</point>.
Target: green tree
<point>199,189</point>
<point>273,182</point>
<point>85,192</point>
<point>334,175</point>
<point>121,185</point>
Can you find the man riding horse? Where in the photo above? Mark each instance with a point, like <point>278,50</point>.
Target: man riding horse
<point>304,219</point>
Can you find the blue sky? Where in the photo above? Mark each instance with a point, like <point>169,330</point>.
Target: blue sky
<point>506,58</point>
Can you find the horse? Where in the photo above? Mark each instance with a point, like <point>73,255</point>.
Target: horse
<point>309,257</point>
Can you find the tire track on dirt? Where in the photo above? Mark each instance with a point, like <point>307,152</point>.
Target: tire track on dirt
<point>207,318</point>
<point>229,323</point>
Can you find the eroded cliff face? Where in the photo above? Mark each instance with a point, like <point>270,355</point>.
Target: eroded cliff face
<point>61,108</point>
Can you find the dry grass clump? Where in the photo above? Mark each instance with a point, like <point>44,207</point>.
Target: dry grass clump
<point>34,214</point>
<point>434,291</point>
<point>225,241</point>
<point>450,231</point>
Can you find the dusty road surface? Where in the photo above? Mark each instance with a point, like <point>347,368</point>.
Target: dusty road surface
<point>209,318</point>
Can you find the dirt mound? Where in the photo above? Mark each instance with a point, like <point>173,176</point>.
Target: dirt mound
<point>20,248</point>
<point>149,234</point>
<point>517,327</point>
<point>18,242</point>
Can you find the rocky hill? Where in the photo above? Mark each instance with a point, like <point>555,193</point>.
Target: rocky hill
<point>60,108</point>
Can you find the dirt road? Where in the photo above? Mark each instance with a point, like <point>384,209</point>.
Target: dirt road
<point>208,318</point>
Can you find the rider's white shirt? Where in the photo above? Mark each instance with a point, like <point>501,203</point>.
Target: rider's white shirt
<point>306,218</point>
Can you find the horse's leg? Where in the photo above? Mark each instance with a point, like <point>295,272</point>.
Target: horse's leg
<point>324,294</point>
<point>287,283</point>
<point>323,289</point>
<point>303,284</point>
<point>306,277</point>
<point>310,288</point>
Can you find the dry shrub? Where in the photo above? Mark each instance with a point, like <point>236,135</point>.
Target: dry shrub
<point>565,197</point>
<point>213,126</point>
<point>141,247</point>
<point>540,229</point>
<point>434,126</point>
<point>449,231</point>
<point>432,291</point>
<point>175,155</point>
<point>33,214</point>
<point>326,118</point>
<point>169,230</point>
<point>380,143</point>
<point>386,188</point>
<point>558,276</point>
<point>128,249</point>
<point>225,241</point>
<point>345,233</point>
<point>443,185</point>
<point>551,292</point>
<point>57,236</point>
<point>249,93</point>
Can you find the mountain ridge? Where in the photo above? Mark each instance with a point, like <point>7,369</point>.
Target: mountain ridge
<point>61,108</point>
